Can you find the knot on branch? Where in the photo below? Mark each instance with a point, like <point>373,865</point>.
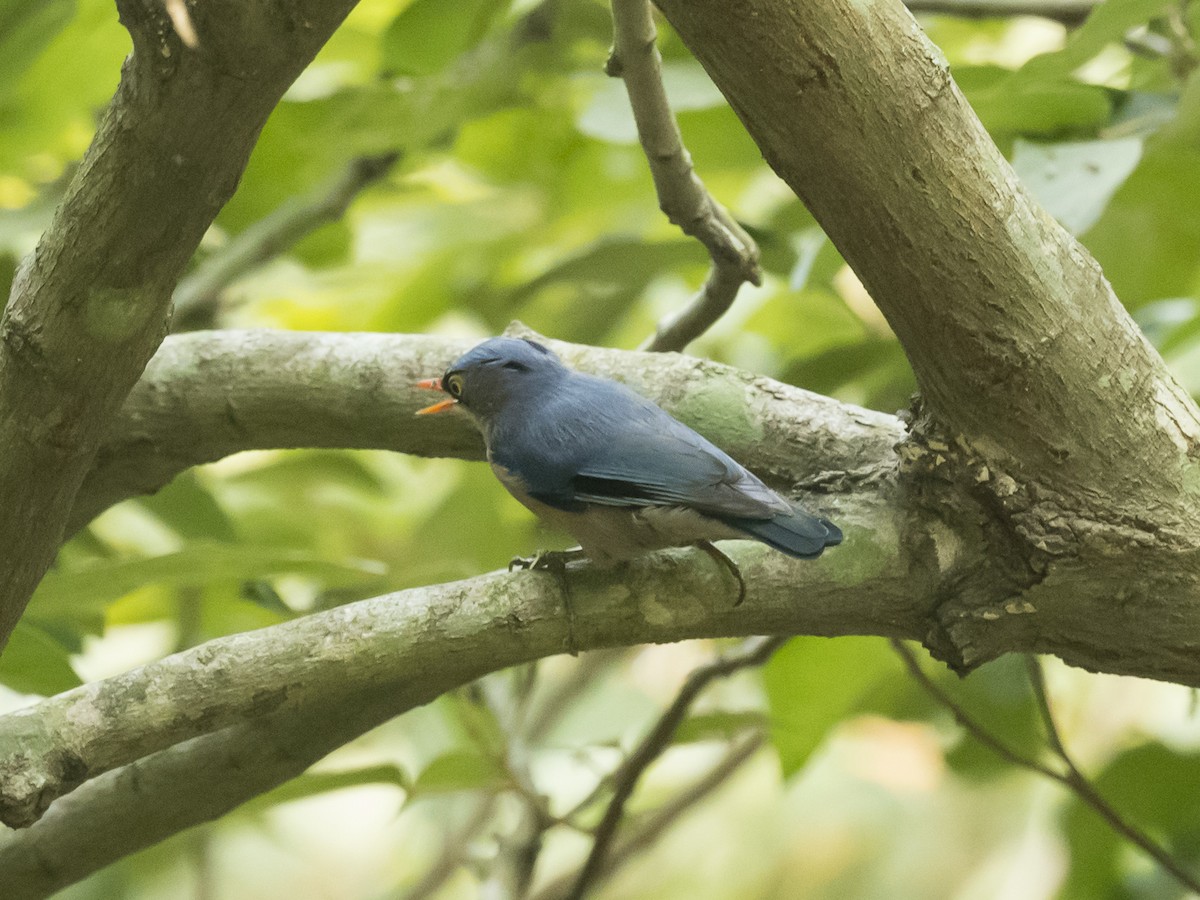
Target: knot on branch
<point>28,787</point>
<point>1010,542</point>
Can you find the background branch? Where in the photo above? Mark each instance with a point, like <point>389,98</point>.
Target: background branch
<point>655,743</point>
<point>642,836</point>
<point>196,297</point>
<point>1072,779</point>
<point>681,193</point>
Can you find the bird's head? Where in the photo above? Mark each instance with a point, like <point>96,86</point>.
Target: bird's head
<point>491,375</point>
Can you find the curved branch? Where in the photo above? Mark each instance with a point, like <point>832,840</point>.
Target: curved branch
<point>90,305</point>
<point>207,395</point>
<point>963,523</point>
<point>681,194</point>
<point>1072,779</point>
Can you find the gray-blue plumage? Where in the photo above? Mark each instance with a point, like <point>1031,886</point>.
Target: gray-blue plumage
<point>611,468</point>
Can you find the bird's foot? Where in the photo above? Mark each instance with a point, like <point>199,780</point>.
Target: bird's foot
<point>555,562</point>
<point>547,560</point>
<point>719,557</point>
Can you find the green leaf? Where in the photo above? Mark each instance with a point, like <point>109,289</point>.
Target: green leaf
<point>311,784</point>
<point>718,726</point>
<point>1075,181</point>
<point>429,34</point>
<point>187,508</point>
<point>1040,108</point>
<point>1148,239</point>
<point>999,697</point>
<point>1150,787</point>
<point>813,683</point>
<point>25,30</point>
<point>67,594</point>
<point>1106,25</point>
<point>461,770</point>
<point>35,663</point>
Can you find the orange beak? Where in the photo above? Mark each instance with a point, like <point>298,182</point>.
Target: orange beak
<point>434,384</point>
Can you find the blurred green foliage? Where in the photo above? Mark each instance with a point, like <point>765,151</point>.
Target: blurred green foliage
<point>522,194</point>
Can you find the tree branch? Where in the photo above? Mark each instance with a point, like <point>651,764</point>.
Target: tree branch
<point>198,294</point>
<point>197,781</point>
<point>1039,395</point>
<point>1020,348</point>
<point>207,395</point>
<point>90,305</point>
<point>643,836</point>
<point>1072,779</point>
<point>444,635</point>
<point>681,194</point>
<point>652,746</point>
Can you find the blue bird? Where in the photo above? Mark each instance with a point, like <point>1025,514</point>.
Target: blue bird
<point>606,465</point>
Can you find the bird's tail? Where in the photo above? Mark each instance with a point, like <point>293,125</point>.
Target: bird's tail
<point>800,534</point>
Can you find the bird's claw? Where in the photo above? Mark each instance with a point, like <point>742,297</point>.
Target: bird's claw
<point>555,562</point>
<point>546,560</point>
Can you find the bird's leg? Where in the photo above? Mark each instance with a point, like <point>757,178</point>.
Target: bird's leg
<point>555,562</point>
<point>711,549</point>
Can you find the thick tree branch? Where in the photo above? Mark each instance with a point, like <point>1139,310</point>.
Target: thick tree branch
<point>1020,348</point>
<point>964,525</point>
<point>441,636</point>
<point>1040,397</point>
<point>151,799</point>
<point>89,306</point>
<point>681,193</point>
<point>207,395</point>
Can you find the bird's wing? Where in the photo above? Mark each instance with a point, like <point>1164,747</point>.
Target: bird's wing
<point>672,469</point>
<point>632,453</point>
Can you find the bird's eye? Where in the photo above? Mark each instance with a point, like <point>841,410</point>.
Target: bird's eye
<point>454,386</point>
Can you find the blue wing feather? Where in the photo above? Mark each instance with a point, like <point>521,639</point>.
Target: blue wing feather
<point>600,443</point>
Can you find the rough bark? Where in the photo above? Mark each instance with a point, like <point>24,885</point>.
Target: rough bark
<point>1041,399</point>
<point>90,305</point>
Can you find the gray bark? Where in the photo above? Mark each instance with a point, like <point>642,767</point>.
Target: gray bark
<point>90,306</point>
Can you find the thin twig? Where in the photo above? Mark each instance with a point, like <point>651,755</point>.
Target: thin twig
<point>581,678</point>
<point>1086,791</point>
<point>681,194</point>
<point>451,858</point>
<point>199,293</point>
<point>644,835</point>
<point>626,777</point>
<point>1073,779</point>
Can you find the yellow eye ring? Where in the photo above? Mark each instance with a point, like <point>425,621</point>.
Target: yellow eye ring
<point>454,386</point>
